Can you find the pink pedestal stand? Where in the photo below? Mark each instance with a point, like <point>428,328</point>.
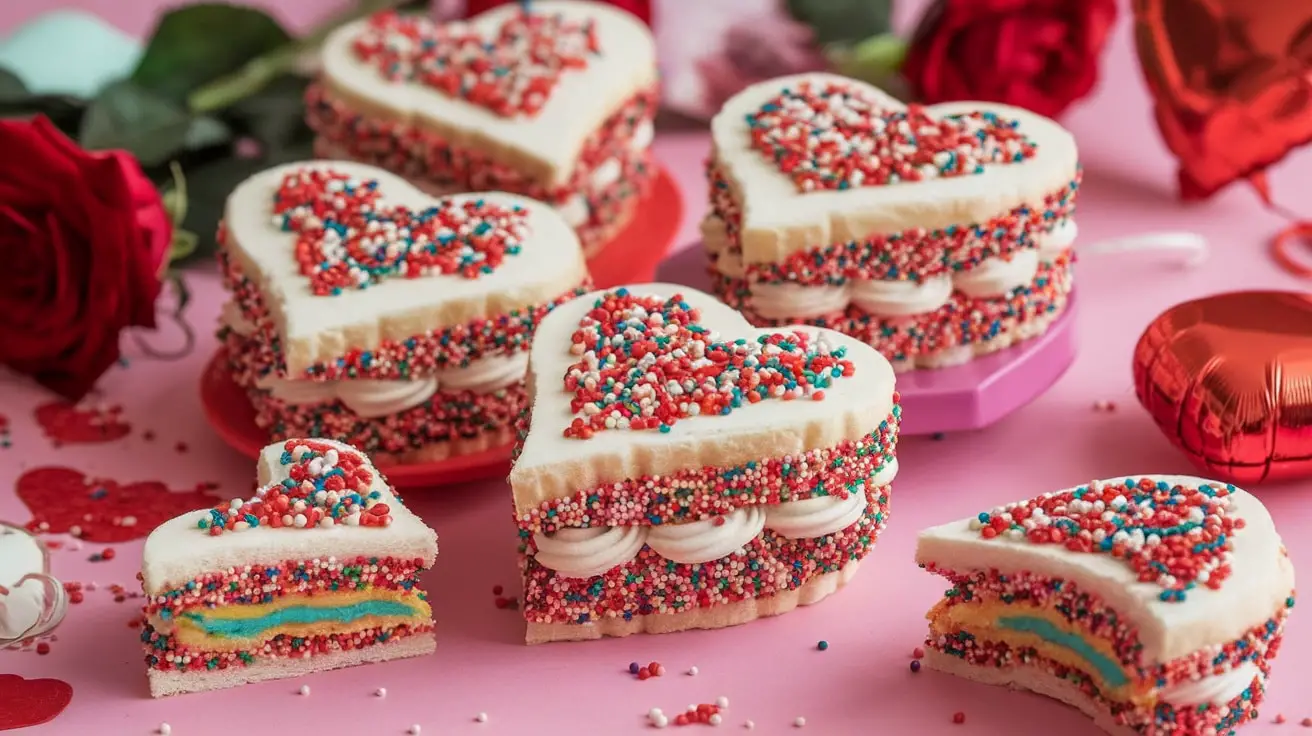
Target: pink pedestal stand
<point>954,399</point>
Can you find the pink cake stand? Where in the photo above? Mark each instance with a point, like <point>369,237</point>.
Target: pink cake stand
<point>963,397</point>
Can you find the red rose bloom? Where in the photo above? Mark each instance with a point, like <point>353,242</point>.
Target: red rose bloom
<point>1041,55</point>
<point>640,8</point>
<point>84,238</point>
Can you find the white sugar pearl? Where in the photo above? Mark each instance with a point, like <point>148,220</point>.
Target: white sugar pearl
<point>481,718</point>
<point>799,722</point>
<point>722,702</point>
<point>749,725</point>
<point>654,713</point>
<point>715,719</point>
<point>164,729</point>
<point>305,690</point>
<point>692,671</point>
<point>414,730</point>
<point>381,692</point>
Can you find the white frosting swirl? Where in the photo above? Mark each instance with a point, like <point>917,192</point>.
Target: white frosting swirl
<point>1213,689</point>
<point>486,374</point>
<point>998,277</point>
<point>816,517</point>
<point>788,301</point>
<point>373,399</point>
<point>886,474</point>
<point>584,552</point>
<point>299,392</point>
<point>1059,238</point>
<point>901,298</point>
<point>709,539</point>
<point>643,136</point>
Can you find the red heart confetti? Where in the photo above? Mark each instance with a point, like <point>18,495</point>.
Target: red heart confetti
<point>512,73</point>
<point>840,136</point>
<point>65,501</point>
<point>348,240</point>
<point>645,362</point>
<point>67,424</point>
<point>26,703</point>
<point>1175,536</point>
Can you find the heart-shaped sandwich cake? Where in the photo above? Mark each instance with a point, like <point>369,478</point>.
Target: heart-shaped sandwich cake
<point>680,469</point>
<point>369,312</point>
<point>318,570</point>
<point>555,102</point>
<point>1154,604</point>
<point>935,234</point>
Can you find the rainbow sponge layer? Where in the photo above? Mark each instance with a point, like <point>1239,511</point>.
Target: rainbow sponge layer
<point>318,570</point>
<point>1154,604</point>
<point>680,469</point>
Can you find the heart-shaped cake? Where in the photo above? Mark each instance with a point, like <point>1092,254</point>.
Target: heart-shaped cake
<point>933,233</point>
<point>1226,379</point>
<point>555,102</point>
<point>370,312</point>
<point>1155,604</point>
<point>750,467</point>
<point>317,570</point>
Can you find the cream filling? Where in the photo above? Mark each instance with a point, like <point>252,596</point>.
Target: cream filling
<point>230,316</point>
<point>901,298</point>
<point>786,301</point>
<point>372,399</point>
<point>1059,238</point>
<point>1213,689</point>
<point>582,553</point>
<point>998,277</point>
<point>709,539</point>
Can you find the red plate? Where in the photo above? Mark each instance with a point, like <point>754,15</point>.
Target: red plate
<point>631,258</point>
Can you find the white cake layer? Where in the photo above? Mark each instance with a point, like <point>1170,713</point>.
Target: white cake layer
<point>1262,578</point>
<point>396,308</point>
<point>179,551</point>
<point>580,102</point>
<point>864,399</point>
<point>773,210</point>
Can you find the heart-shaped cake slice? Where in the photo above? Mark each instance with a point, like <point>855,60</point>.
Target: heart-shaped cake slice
<point>269,587</point>
<point>554,101</point>
<point>750,467</point>
<point>933,233</point>
<point>1155,604</point>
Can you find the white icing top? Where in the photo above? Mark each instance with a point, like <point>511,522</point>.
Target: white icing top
<point>1262,578</point>
<point>31,601</point>
<point>580,102</point>
<point>1213,689</point>
<point>550,254</point>
<point>772,206</point>
<point>371,399</point>
<point>178,551</point>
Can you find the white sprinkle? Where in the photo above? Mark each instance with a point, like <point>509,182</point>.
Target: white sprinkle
<point>722,702</point>
<point>305,690</point>
<point>715,719</point>
<point>381,692</point>
<point>654,712</point>
<point>414,730</point>
<point>481,718</point>
<point>164,729</point>
<point>75,530</point>
<point>660,721</point>
<point>799,722</point>
<point>692,671</point>
<point>749,725</point>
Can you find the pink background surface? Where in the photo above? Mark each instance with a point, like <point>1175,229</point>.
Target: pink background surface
<point>770,670</point>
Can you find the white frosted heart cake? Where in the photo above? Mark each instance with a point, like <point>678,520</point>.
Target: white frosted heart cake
<point>555,102</point>
<point>679,469</point>
<point>318,570</point>
<point>368,312</point>
<point>936,234</point>
<point>1155,604</point>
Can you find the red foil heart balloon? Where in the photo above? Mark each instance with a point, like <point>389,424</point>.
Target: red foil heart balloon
<point>1228,378</point>
<point>1229,82</point>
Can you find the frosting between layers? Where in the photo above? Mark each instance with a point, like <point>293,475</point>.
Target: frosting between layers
<point>585,552</point>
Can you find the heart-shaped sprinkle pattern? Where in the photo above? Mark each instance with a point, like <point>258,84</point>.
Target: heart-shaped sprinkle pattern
<point>324,487</point>
<point>644,362</point>
<point>512,73</point>
<point>1174,536</point>
<point>839,136</point>
<point>347,239</point>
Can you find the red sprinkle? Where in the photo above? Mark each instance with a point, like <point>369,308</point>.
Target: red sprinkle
<point>958,717</point>
<point>43,648</point>
<point>107,553</point>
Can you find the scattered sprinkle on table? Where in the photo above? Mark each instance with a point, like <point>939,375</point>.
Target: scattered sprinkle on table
<point>634,667</point>
<point>414,730</point>
<point>305,690</point>
<point>799,722</point>
<point>749,725</point>
<point>164,729</point>
<point>497,590</point>
<point>722,702</point>
<point>917,653</point>
<point>915,665</point>
<point>43,648</point>
<point>958,717</point>
<point>481,718</point>
<point>380,692</point>
<point>1307,723</point>
<point>1280,718</point>
<point>822,645</point>
<point>692,671</point>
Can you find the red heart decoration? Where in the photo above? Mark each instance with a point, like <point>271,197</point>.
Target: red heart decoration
<point>1229,81</point>
<point>1228,379</point>
<point>65,424</point>
<point>510,73</point>
<point>63,498</point>
<point>26,703</point>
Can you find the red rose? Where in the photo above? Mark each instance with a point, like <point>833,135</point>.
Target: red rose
<point>1041,55</point>
<point>640,8</point>
<point>84,238</point>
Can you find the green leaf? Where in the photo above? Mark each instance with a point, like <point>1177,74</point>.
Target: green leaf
<point>209,184</point>
<point>275,116</point>
<point>183,245</point>
<point>129,117</point>
<point>843,21</point>
<point>200,43</point>
<point>11,87</point>
<point>872,60</point>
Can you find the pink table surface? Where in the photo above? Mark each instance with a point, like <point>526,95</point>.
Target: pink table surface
<point>771,671</point>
